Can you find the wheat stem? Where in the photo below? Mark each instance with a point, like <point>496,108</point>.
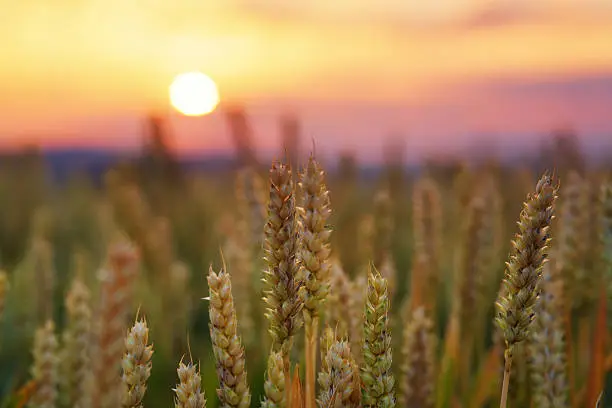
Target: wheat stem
<point>506,381</point>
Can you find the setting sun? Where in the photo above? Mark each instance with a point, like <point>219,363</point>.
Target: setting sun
<point>194,94</point>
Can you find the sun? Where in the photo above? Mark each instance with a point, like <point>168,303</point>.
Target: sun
<point>194,94</point>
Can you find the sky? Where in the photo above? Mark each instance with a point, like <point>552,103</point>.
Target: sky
<point>443,74</point>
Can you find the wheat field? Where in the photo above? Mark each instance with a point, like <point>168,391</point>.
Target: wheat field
<point>283,284</point>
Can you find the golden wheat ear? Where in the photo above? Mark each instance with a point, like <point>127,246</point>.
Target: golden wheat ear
<point>229,355</point>
<point>517,299</point>
<point>427,221</point>
<point>136,364</point>
<point>339,377</point>
<point>315,264</point>
<point>376,372</point>
<point>547,345</point>
<point>45,366</point>
<point>417,386</point>
<point>284,293</point>
<point>274,385</point>
<point>189,393</point>
<point>76,380</point>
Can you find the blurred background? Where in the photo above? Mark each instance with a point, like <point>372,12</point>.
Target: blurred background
<point>93,139</point>
<point>447,77</point>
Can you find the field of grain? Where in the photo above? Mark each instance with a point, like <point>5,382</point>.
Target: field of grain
<point>282,284</point>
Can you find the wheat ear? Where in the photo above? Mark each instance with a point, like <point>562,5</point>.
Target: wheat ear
<point>45,367</point>
<point>314,258</point>
<point>515,306</point>
<point>376,373</point>
<point>284,293</point>
<point>547,345</point>
<point>339,376</point>
<point>417,369</point>
<point>274,386</point>
<point>77,378</point>
<point>189,393</point>
<point>112,314</point>
<point>427,227</point>
<point>136,364</point>
<point>233,389</point>
<point>573,238</point>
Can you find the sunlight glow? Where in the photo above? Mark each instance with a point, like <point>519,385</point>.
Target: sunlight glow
<point>194,94</point>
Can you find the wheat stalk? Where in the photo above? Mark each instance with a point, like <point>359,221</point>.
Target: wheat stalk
<point>284,293</point>
<point>383,227</point>
<point>45,367</point>
<point>471,284</point>
<point>274,386</point>
<point>515,306</point>
<point>180,305</point>
<point>376,373</point>
<point>136,364</point>
<point>418,353</point>
<point>314,258</point>
<point>233,389</point>
<point>338,310</point>
<point>339,376</point>
<point>189,393</point>
<point>4,288</point>
<point>237,251</point>
<point>356,317</point>
<point>115,301</point>
<point>77,377</point>
<point>427,227</point>
<point>572,238</point>
<point>251,200</point>
<point>547,345</point>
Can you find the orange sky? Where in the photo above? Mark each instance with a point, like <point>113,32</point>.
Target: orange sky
<point>70,68</point>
